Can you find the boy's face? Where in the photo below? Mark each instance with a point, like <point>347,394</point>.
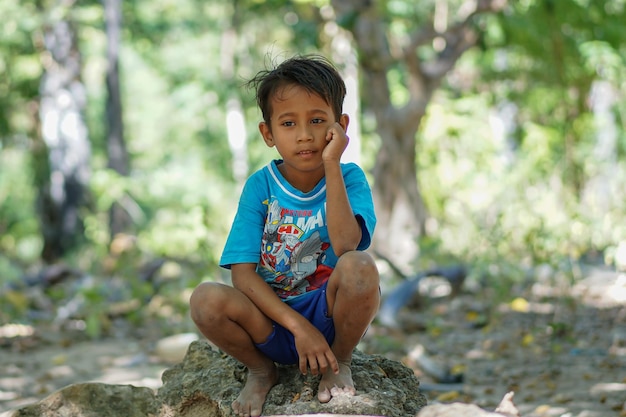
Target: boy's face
<point>299,123</point>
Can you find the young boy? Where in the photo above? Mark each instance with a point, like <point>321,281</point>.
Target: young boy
<point>303,291</point>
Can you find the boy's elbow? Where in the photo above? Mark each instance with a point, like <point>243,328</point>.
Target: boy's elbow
<point>342,249</point>
<point>347,242</point>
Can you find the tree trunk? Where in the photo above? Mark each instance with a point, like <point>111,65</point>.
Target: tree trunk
<point>119,218</point>
<point>66,149</point>
<point>400,208</point>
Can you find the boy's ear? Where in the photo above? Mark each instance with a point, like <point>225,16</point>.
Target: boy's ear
<point>344,120</point>
<point>266,132</point>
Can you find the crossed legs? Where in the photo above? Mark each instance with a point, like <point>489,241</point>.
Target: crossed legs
<point>231,321</point>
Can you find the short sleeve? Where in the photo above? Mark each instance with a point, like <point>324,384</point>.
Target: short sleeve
<point>243,244</point>
<point>361,201</point>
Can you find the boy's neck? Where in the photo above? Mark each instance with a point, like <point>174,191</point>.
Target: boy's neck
<point>302,181</point>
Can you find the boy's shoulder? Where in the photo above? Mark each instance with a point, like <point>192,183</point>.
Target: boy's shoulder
<point>350,166</point>
<point>264,181</point>
<point>263,174</point>
<point>258,180</point>
<point>352,171</point>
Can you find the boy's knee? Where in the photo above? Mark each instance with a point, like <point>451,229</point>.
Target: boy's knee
<point>359,269</point>
<point>204,299</point>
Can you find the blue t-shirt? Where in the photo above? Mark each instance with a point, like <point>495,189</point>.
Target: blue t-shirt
<point>284,232</point>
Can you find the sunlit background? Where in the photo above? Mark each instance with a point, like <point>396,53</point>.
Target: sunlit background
<point>112,214</point>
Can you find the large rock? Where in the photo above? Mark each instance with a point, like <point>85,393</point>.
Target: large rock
<point>94,400</point>
<point>206,382</point>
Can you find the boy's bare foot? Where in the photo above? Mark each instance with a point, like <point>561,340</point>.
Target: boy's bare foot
<point>250,401</point>
<point>332,385</point>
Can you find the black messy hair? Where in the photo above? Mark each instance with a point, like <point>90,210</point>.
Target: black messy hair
<point>313,72</point>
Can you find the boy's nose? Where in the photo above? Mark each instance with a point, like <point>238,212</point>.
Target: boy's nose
<point>304,134</point>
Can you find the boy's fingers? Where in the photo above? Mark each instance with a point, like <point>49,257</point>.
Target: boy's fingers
<point>313,366</point>
<point>323,364</point>
<point>302,365</point>
<point>334,365</point>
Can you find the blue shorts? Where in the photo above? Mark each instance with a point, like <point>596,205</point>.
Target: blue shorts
<point>280,346</point>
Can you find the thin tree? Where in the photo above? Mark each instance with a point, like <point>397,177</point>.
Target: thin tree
<point>118,160</point>
<point>235,117</point>
<point>64,149</point>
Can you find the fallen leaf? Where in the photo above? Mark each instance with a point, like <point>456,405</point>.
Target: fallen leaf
<point>520,305</point>
<point>448,396</point>
<point>527,340</point>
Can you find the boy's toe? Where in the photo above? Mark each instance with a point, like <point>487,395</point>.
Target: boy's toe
<point>324,396</point>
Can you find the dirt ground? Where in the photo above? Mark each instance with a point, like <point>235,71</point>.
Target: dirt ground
<point>560,348</point>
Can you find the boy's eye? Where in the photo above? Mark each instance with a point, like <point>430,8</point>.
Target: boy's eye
<point>317,121</point>
<point>287,123</point>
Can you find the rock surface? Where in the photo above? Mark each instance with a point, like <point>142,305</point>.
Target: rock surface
<point>206,382</point>
<point>94,400</point>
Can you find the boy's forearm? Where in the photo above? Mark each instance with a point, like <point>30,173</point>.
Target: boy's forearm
<point>246,280</point>
<point>343,228</point>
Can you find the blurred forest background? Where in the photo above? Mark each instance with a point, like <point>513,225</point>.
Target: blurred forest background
<point>493,133</point>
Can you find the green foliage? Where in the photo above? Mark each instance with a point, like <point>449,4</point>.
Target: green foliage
<point>510,171</point>
<point>20,70</point>
<point>506,153</point>
<point>500,199</point>
<point>19,229</point>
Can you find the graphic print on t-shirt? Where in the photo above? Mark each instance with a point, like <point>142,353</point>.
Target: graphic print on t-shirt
<point>293,251</point>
